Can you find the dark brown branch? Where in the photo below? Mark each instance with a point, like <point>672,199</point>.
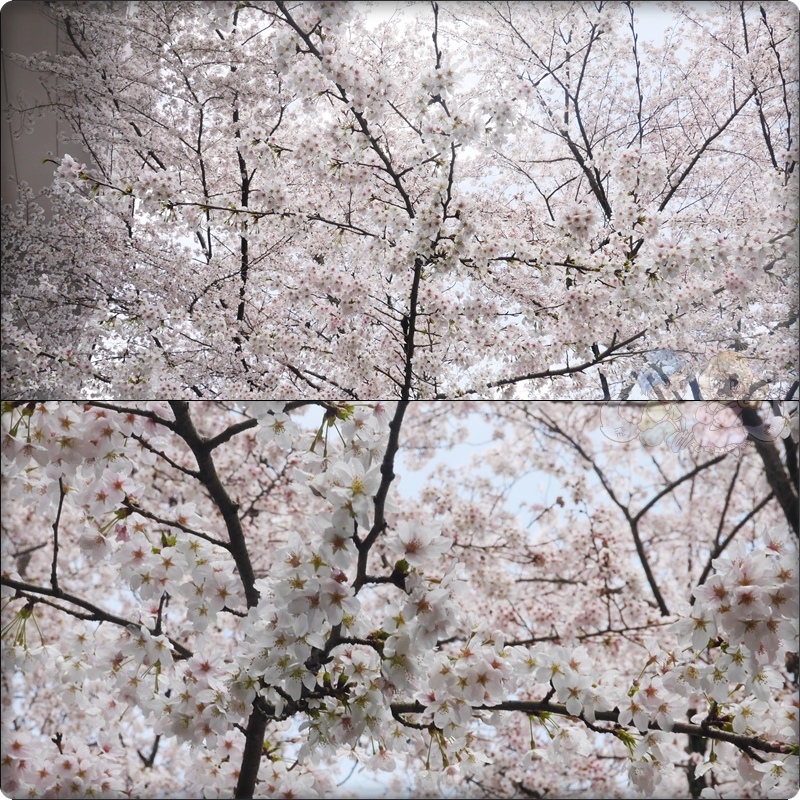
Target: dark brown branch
<point>140,412</point>
<point>774,471</point>
<point>253,749</point>
<point>257,722</point>
<point>54,568</point>
<point>727,503</point>
<point>536,707</point>
<point>147,446</point>
<point>667,489</point>
<point>97,613</point>
<point>229,433</point>
<point>702,150</point>
<point>208,476</point>
<point>387,476</point>
<point>362,122</point>
<point>551,373</point>
<point>147,761</point>
<point>409,329</point>
<point>136,509</point>
<point>632,521</point>
<point>247,424</point>
<point>790,451</point>
<point>717,552</point>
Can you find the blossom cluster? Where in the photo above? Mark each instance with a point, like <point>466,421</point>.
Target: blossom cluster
<point>579,221</point>
<point>69,171</point>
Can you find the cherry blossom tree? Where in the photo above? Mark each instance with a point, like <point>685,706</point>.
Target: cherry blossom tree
<point>296,199</point>
<point>214,599</point>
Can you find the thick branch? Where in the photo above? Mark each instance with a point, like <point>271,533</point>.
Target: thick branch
<point>387,476</point>
<point>253,749</point>
<point>539,706</point>
<point>774,470</point>
<point>54,568</point>
<point>96,613</point>
<point>230,511</point>
<point>410,329</point>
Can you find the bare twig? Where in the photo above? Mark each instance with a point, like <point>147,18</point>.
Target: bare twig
<point>54,568</point>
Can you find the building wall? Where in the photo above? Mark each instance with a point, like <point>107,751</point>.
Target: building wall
<point>27,28</point>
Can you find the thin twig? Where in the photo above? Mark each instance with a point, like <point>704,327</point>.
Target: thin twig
<point>54,568</point>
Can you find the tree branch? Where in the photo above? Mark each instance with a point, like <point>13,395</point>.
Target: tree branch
<point>535,707</point>
<point>667,489</point>
<point>774,471</point>
<point>207,474</point>
<point>96,613</point>
<point>702,150</point>
<point>54,568</point>
<point>387,476</point>
<point>717,552</point>
<point>551,373</point>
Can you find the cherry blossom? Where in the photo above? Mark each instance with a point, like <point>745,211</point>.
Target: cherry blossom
<point>420,543</point>
<point>260,199</point>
